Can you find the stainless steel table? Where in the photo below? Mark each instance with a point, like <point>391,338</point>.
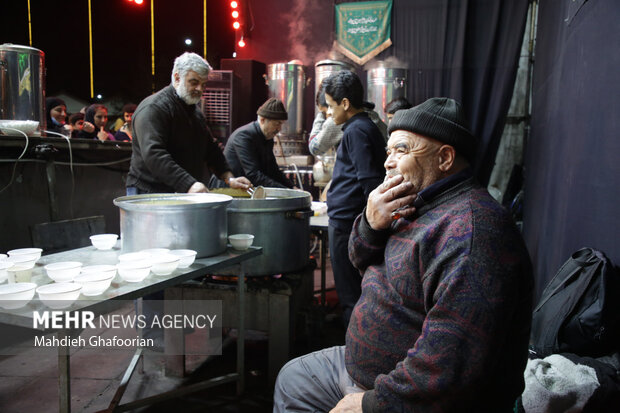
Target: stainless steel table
<point>120,290</point>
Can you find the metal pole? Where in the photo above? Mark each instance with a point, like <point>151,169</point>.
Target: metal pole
<point>29,25</point>
<point>152,46</point>
<point>90,49</point>
<point>204,40</point>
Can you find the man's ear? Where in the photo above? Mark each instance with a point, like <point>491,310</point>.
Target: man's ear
<point>447,155</point>
<point>177,78</point>
<point>346,104</point>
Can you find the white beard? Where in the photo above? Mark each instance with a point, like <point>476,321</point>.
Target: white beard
<point>185,95</point>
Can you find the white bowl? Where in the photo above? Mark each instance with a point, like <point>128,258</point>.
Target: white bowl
<point>19,273</point>
<point>63,271</point>
<point>17,295</point>
<point>134,256</point>
<point>109,270</point>
<point>59,295</point>
<point>154,252</point>
<point>165,264</point>
<point>186,257</point>
<point>241,242</point>
<point>134,271</point>
<point>25,261</point>
<point>4,274</point>
<point>94,283</point>
<point>29,127</point>
<point>32,253</point>
<point>103,241</point>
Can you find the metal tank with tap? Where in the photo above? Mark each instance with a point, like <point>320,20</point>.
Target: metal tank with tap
<point>384,83</point>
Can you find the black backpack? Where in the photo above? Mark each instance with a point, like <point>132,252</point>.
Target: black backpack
<point>579,310</point>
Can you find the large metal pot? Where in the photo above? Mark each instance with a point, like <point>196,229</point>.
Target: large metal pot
<point>22,83</point>
<point>385,84</point>
<point>280,224</point>
<point>193,221</point>
<point>287,82</point>
<point>325,68</point>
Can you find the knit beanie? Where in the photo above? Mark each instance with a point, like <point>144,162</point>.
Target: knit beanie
<point>273,109</point>
<point>441,119</point>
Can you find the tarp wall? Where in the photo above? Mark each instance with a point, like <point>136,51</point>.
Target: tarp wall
<point>572,184</point>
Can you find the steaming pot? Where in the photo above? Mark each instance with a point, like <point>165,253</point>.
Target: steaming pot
<point>22,83</point>
<point>385,84</point>
<point>280,224</point>
<point>174,221</point>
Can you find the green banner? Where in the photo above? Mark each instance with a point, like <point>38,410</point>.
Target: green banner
<point>363,29</point>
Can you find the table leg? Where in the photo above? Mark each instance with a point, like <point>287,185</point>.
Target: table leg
<point>64,377</point>
<point>241,331</point>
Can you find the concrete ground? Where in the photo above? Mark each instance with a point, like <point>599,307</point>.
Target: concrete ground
<point>29,383</point>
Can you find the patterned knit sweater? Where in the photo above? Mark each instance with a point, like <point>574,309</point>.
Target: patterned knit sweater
<point>443,321</point>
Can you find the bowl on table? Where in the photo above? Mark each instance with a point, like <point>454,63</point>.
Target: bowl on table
<point>19,273</point>
<point>63,271</point>
<point>241,242</point>
<point>4,274</point>
<point>134,271</point>
<point>134,256</point>
<point>103,241</point>
<point>24,261</point>
<point>59,295</point>
<point>154,252</point>
<point>94,283</point>
<point>109,270</point>
<point>3,257</point>
<point>13,296</point>
<point>31,253</point>
<point>186,257</point>
<point>164,264</point>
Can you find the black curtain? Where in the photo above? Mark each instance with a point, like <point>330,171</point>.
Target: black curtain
<point>572,175</point>
<point>466,50</point>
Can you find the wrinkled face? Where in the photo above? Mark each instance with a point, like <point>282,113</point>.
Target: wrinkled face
<point>337,111</point>
<point>415,157</point>
<point>127,116</point>
<point>190,87</point>
<point>101,117</point>
<point>270,127</point>
<point>59,113</point>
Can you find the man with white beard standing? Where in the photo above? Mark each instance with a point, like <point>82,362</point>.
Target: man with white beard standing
<point>171,141</point>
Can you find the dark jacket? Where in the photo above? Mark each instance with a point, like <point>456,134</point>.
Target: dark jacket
<point>358,170</point>
<point>171,143</point>
<point>249,154</point>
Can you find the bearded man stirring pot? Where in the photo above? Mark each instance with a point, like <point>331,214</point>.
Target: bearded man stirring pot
<point>171,140</point>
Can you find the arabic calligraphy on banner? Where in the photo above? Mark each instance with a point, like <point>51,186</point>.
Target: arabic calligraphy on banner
<point>363,29</point>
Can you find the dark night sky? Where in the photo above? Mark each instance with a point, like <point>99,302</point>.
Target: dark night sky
<point>121,41</point>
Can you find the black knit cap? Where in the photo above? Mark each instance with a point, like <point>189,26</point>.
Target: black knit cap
<point>273,109</point>
<point>441,119</point>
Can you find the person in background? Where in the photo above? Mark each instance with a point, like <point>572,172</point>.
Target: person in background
<point>76,123</point>
<point>357,171</point>
<point>56,114</point>
<point>96,114</point>
<point>124,133</point>
<point>325,135</point>
<point>171,141</point>
<point>394,105</point>
<point>369,107</point>
<point>249,150</point>
<point>443,321</point>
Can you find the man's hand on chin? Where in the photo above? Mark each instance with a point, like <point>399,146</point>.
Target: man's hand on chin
<point>351,403</point>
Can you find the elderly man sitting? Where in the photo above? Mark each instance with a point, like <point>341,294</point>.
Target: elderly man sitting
<point>249,150</point>
<point>443,321</point>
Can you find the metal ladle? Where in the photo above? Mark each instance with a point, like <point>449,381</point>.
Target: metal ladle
<point>257,193</point>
